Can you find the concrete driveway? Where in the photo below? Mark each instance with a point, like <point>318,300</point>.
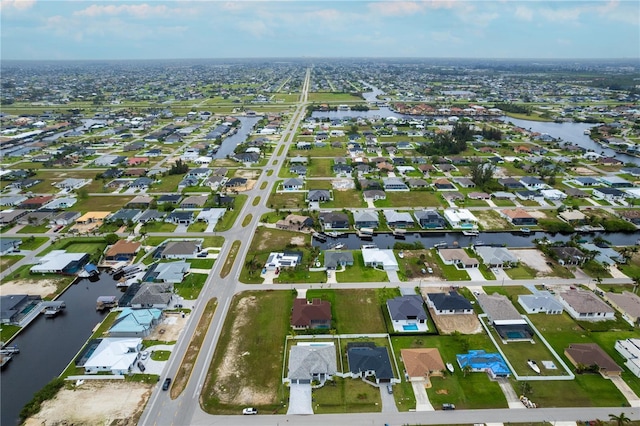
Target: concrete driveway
<point>475,274</point>
<point>422,399</point>
<point>388,401</point>
<point>300,399</point>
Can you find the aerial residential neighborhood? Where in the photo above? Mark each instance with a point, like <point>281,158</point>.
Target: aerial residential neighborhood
<point>398,241</point>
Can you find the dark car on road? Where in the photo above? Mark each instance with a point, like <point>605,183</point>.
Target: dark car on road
<point>166,384</point>
<point>447,406</point>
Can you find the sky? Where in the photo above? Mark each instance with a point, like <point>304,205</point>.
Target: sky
<point>151,29</point>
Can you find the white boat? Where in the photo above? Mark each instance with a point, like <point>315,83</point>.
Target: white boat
<point>470,233</point>
<point>533,365</point>
<point>337,246</point>
<point>401,255</point>
<point>450,367</point>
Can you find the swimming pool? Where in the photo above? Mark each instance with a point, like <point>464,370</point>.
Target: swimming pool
<point>410,327</point>
<point>516,335</point>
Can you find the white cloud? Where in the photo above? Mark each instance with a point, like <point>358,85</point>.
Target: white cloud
<point>257,28</point>
<point>444,37</point>
<point>16,4</point>
<point>524,13</point>
<point>140,11</point>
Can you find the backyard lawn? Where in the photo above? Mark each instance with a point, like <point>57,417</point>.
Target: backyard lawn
<point>108,203</point>
<point>190,286</point>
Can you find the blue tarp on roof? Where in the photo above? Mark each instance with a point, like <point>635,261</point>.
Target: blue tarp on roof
<point>91,268</point>
<point>481,361</point>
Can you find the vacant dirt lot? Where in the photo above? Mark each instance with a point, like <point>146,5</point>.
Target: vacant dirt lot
<point>37,287</point>
<point>115,403</point>
<point>534,259</point>
<point>170,328</point>
<point>446,324</point>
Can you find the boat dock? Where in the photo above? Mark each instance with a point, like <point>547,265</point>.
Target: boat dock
<point>51,309</point>
<point>6,353</point>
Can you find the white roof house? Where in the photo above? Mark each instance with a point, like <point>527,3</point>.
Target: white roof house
<point>60,203</point>
<point>541,302</point>
<point>114,354</point>
<point>630,350</point>
<point>496,256</point>
<point>56,261</point>
<point>460,218</point>
<point>211,216</point>
<point>376,257</point>
<point>553,194</point>
<point>282,260</point>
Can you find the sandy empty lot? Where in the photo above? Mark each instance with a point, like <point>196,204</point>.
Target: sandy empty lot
<point>533,258</point>
<point>36,287</point>
<point>95,403</point>
<point>170,328</point>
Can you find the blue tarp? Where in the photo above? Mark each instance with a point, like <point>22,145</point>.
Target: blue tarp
<point>481,361</point>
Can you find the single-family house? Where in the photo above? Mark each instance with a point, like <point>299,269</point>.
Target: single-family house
<point>153,295</point>
<point>64,218</point>
<point>310,362</point>
<point>396,219</point>
<point>333,220</point>
<point>366,360</point>
<point>519,217</point>
<point>616,182</point>
<point>407,314</point>
<point>394,184</point>
<point>125,216</point>
<point>532,183</point>
<point>588,354</point>
<point>627,303</point>
<point>630,351</point>
<point>140,202</point>
<point>292,184</point>
<point>277,261</point>
<point>465,182</point>
<point>429,219</point>
<point>135,322</point>
<point>609,194</point>
<point>116,355</point>
<point>334,259</point>
<point>451,303</point>
<point>461,219</point>
<point>511,183</point>
<point>504,317</point>
<point>374,195</point>
<point>180,217</point>
<point>422,363</point>
<point>586,306</point>
<point>585,181</point>
<point>168,273</point>
<point>540,302</point>
<point>294,222</point>
<point>495,257</point>
<point>378,258</point>
<point>443,184</point>
<point>457,257</point>
<point>318,196</point>
<point>365,219</point>
<point>13,306</point>
<point>573,217</point>
<point>194,202</point>
<point>568,255</point>
<point>8,217</point>
<point>122,251</point>
<point>60,262</point>
<point>480,361</point>
<point>172,199</point>
<point>36,202</point>
<point>310,315</point>
<point>187,249</point>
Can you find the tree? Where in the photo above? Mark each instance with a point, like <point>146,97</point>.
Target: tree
<point>620,419</point>
<point>525,388</point>
<point>466,370</point>
<point>111,238</point>
<point>83,194</point>
<point>636,283</point>
<point>481,174</point>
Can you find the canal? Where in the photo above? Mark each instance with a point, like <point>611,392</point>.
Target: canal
<point>47,345</point>
<point>231,142</point>
<point>515,239</point>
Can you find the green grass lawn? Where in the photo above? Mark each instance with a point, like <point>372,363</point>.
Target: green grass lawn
<point>230,216</point>
<point>158,226</point>
<point>320,167</point>
<point>190,286</point>
<point>346,396</point>
<point>356,310</point>
<point>450,272</point>
<point>7,331</point>
<point>348,198</point>
<point>107,203</point>
<point>167,184</point>
<point>473,391</point>
<point>7,261</point>
<point>321,97</point>
<point>286,200</point>
<point>33,229</point>
<point>359,273</point>
<point>503,203</point>
<point>521,272</point>
<point>397,199</point>
<point>256,356</point>
<point>32,243</point>
<point>197,227</point>
<point>160,355</point>
<point>201,263</point>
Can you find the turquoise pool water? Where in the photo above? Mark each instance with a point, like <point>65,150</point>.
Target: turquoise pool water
<point>410,327</point>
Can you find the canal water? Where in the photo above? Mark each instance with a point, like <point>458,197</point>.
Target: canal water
<point>47,345</point>
<point>429,239</point>
<point>569,132</point>
<point>230,143</point>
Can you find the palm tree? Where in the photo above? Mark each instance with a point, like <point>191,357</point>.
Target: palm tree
<point>620,420</point>
<point>525,388</point>
<point>466,369</point>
